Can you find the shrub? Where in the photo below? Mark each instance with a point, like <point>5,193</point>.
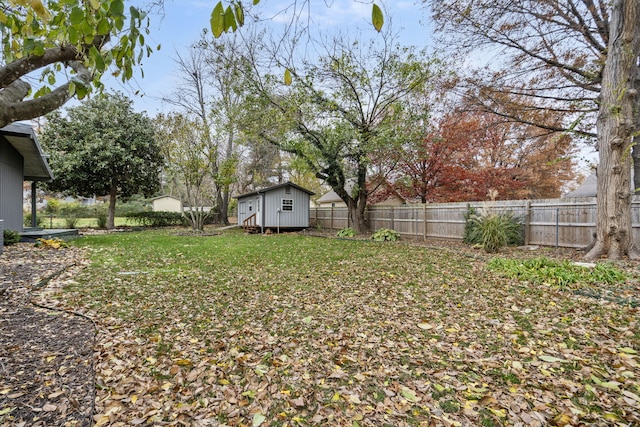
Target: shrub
<point>385,235</point>
<point>70,208</point>
<point>469,226</point>
<point>27,220</point>
<point>158,219</point>
<point>102,219</point>
<point>53,206</point>
<point>51,243</point>
<point>71,221</point>
<point>493,230</point>
<point>347,232</point>
<point>11,237</point>
<point>543,270</point>
<point>134,204</point>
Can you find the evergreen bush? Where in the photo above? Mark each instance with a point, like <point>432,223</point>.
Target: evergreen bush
<point>11,237</point>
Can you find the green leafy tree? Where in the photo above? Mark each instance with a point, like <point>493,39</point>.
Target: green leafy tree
<point>103,147</point>
<point>44,40</point>
<point>338,111</point>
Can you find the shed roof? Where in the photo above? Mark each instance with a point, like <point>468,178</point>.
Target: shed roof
<point>23,139</point>
<point>275,187</point>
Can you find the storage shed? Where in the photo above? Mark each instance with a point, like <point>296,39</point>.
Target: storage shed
<point>283,206</point>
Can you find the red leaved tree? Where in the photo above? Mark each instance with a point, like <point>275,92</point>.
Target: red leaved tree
<point>470,153</point>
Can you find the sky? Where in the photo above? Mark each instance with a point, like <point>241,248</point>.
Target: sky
<point>184,20</point>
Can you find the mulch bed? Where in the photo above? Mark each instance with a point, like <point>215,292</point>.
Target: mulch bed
<point>46,355</point>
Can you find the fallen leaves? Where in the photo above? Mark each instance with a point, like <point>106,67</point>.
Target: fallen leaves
<point>45,355</point>
<point>288,330</point>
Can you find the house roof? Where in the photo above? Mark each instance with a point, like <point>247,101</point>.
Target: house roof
<point>165,196</point>
<point>275,187</point>
<point>23,139</point>
<point>330,197</point>
<point>587,189</point>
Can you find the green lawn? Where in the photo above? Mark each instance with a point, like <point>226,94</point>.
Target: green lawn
<point>287,330</point>
<point>60,222</point>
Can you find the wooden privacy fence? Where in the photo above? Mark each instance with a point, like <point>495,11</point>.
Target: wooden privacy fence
<point>547,222</point>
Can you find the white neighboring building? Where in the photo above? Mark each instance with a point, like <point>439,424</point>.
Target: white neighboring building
<point>167,204</point>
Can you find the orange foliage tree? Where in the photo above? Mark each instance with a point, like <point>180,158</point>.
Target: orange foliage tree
<point>469,153</point>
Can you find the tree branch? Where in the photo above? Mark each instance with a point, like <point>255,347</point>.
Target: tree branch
<point>17,109</point>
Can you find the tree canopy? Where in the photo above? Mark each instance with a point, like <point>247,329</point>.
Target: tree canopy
<point>343,107</point>
<point>103,148</point>
<point>54,50</point>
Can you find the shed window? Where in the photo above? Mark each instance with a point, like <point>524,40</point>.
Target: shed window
<point>287,205</point>
<point>242,208</point>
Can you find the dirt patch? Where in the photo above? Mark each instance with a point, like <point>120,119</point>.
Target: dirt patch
<point>46,355</point>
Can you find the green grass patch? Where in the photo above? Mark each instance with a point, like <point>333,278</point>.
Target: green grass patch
<point>61,222</point>
<point>543,270</point>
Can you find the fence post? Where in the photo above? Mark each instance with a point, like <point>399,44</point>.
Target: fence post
<point>424,218</point>
<point>557,226</point>
<point>391,218</point>
<point>527,223</point>
<point>331,221</point>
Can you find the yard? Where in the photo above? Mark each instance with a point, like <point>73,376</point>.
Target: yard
<point>278,330</point>
<point>50,221</point>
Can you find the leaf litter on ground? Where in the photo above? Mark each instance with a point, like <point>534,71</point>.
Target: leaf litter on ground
<point>287,330</point>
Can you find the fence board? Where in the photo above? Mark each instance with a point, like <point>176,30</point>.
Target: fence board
<point>547,222</point>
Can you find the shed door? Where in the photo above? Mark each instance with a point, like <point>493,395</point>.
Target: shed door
<point>258,207</point>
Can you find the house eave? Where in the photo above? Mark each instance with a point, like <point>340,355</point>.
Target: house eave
<point>23,139</point>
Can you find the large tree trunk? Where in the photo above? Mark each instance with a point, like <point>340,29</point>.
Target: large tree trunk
<point>357,218</point>
<point>111,212</point>
<point>224,206</point>
<point>616,126</point>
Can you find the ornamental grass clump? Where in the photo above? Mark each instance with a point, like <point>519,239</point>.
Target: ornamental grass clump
<point>492,230</point>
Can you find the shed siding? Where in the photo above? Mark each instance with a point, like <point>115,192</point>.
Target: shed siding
<point>270,202</point>
<point>11,179</point>
<point>299,217</point>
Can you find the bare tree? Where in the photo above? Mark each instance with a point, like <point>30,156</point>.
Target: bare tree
<point>617,125</point>
<point>557,56</point>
